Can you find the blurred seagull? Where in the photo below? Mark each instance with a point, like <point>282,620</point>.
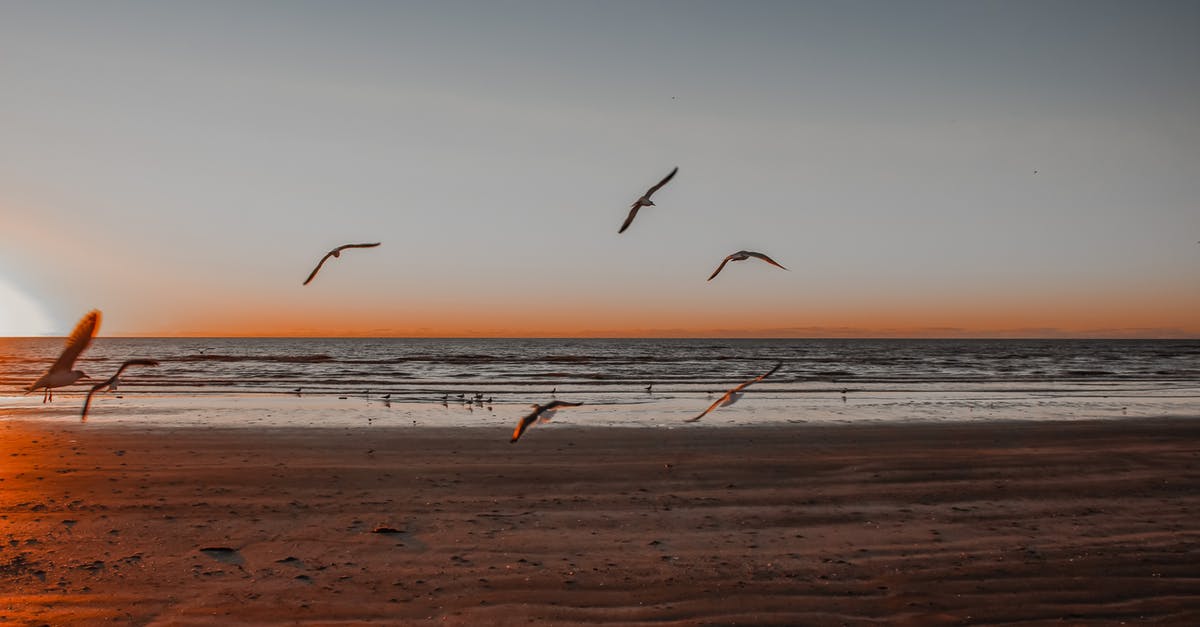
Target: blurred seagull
<point>539,411</point>
<point>60,374</point>
<point>645,201</point>
<point>734,394</point>
<point>111,382</point>
<point>743,255</point>
<point>336,252</point>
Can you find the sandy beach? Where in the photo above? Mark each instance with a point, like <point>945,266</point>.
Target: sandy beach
<point>1079,522</point>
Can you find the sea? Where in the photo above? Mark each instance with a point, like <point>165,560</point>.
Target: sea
<point>347,382</point>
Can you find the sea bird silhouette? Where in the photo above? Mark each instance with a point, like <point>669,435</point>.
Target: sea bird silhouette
<point>735,393</point>
<point>539,411</point>
<point>645,201</point>
<point>111,383</point>
<point>60,373</point>
<point>743,255</point>
<point>336,252</point>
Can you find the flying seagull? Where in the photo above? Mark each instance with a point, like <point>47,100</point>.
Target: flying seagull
<point>645,201</point>
<point>542,411</point>
<point>111,382</point>
<point>60,374</point>
<point>743,255</point>
<point>336,252</point>
<point>735,393</point>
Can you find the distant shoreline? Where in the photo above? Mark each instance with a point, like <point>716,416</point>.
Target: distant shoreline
<point>1182,336</point>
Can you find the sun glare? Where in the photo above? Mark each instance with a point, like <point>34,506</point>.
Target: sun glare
<point>20,316</point>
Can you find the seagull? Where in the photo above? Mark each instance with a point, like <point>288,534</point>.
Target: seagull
<point>743,255</point>
<point>645,201</point>
<point>111,382</point>
<point>543,411</point>
<point>336,252</point>
<point>735,393</point>
<point>60,374</point>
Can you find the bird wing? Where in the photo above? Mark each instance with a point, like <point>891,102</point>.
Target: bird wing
<point>533,416</point>
<point>79,340</point>
<point>525,422</point>
<point>720,267</point>
<point>345,246</point>
<point>629,220</point>
<point>334,252</point>
<point>735,389</point>
<point>761,376</point>
<point>134,362</point>
<point>318,268</point>
<point>742,386</point>
<point>764,258</point>
<point>87,402</point>
<point>704,413</point>
<point>661,183</point>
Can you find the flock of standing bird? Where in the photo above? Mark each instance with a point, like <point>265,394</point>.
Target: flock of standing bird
<point>62,373</point>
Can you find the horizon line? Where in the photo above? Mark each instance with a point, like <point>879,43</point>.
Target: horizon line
<point>998,336</point>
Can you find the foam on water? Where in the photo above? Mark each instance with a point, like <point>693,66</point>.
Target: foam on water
<point>250,381</point>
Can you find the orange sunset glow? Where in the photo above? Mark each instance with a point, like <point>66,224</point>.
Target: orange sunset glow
<point>1060,209</point>
<point>392,297</point>
<point>587,313</point>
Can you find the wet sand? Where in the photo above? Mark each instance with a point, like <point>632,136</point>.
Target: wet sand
<point>1082,522</point>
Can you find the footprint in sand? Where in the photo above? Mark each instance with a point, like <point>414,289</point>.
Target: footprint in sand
<point>224,554</point>
<point>406,538</point>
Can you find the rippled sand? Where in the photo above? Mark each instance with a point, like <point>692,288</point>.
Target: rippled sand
<point>803,524</point>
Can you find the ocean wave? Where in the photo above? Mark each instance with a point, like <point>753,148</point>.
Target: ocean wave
<point>283,364</point>
<point>287,359</point>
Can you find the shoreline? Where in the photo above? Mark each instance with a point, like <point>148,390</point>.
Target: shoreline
<point>918,523</point>
<point>762,405</point>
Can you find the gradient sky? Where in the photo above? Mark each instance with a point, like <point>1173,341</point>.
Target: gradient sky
<point>183,166</point>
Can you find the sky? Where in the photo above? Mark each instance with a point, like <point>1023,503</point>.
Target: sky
<point>923,169</point>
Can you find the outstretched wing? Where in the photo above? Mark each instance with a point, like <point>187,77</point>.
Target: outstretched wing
<point>764,258</point>
<point>735,389</point>
<point>525,422</point>
<point>720,267</point>
<point>760,377</point>
<point>79,340</point>
<point>334,253</point>
<point>704,413</point>
<point>668,177</point>
<point>345,246</point>
<point>538,410</point>
<point>318,268</point>
<point>87,402</point>
<point>134,362</point>
<point>629,220</point>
